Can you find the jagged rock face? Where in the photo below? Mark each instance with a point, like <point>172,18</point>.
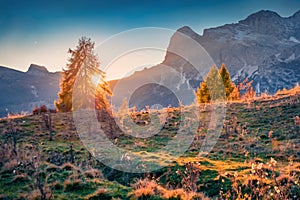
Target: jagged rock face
<point>264,47</point>
<point>251,41</point>
<point>24,90</point>
<point>258,47</point>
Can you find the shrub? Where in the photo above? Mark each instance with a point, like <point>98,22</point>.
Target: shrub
<point>190,176</point>
<point>264,182</point>
<point>57,185</point>
<point>38,110</point>
<point>93,173</point>
<point>35,111</point>
<point>43,109</point>
<point>35,195</point>
<point>181,194</point>
<point>146,189</point>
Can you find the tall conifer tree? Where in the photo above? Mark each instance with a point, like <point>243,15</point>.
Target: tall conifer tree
<point>83,66</point>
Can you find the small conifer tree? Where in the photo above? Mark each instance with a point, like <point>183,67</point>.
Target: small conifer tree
<point>202,94</point>
<point>217,86</point>
<point>229,87</point>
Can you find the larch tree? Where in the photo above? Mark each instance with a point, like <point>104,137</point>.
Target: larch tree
<point>202,94</point>
<point>83,67</point>
<point>250,94</point>
<point>235,94</point>
<point>211,88</point>
<point>102,92</point>
<point>247,89</point>
<point>217,86</point>
<point>226,80</point>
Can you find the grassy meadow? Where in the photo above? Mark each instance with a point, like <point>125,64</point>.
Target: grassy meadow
<point>256,156</point>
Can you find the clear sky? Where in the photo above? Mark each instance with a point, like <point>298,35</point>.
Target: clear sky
<point>41,32</point>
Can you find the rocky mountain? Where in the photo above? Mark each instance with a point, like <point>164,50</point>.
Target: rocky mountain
<point>264,47</point>
<point>21,91</point>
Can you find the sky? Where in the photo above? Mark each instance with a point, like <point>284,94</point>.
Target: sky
<point>41,32</point>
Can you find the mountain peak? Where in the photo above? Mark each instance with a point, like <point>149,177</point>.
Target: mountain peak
<point>186,30</point>
<point>37,70</point>
<point>261,17</point>
<point>263,14</point>
<point>35,67</point>
<point>266,22</point>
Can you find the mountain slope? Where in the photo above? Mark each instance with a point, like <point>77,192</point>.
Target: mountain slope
<point>264,47</point>
<point>21,91</point>
<point>262,42</point>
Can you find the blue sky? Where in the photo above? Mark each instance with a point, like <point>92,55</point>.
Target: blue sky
<point>31,31</point>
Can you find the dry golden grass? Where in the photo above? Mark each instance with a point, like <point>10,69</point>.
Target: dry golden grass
<point>20,178</point>
<point>52,168</point>
<point>181,194</point>
<point>230,168</point>
<point>72,185</point>
<point>97,194</point>
<point>145,188</point>
<point>68,166</point>
<point>35,195</point>
<point>265,181</point>
<point>16,115</point>
<point>219,165</point>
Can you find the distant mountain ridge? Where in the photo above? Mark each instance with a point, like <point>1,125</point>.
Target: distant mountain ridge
<point>21,91</point>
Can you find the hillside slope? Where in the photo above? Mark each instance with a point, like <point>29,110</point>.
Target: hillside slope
<point>21,91</point>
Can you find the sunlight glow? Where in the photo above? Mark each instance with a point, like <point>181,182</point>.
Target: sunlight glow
<point>96,79</point>
<point>127,64</point>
